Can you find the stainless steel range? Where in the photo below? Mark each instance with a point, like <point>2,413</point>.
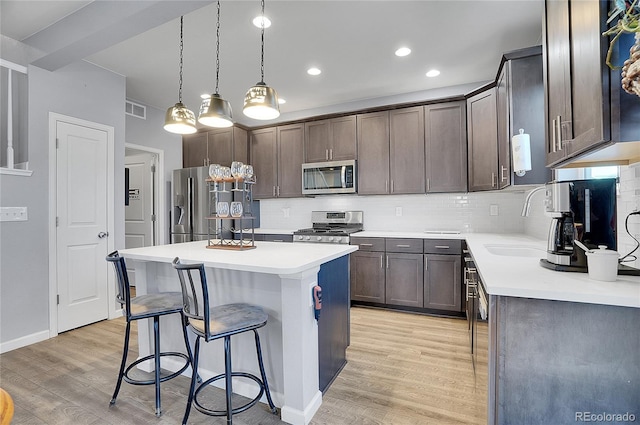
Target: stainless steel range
<point>330,227</point>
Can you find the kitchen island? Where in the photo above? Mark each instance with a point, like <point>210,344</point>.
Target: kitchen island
<point>277,276</point>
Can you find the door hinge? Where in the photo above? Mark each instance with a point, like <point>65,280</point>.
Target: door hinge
<point>153,168</point>
<point>57,221</point>
<point>58,299</point>
<point>153,217</point>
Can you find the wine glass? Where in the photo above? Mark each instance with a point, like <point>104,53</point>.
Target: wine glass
<point>213,171</point>
<point>236,209</point>
<point>248,171</point>
<point>237,171</point>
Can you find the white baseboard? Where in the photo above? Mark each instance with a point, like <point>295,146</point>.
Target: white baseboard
<point>23,341</point>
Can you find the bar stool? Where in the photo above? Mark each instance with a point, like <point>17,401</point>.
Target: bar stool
<point>145,307</point>
<point>211,323</point>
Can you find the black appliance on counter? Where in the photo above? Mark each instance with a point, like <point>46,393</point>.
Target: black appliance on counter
<point>585,211</point>
<point>330,227</point>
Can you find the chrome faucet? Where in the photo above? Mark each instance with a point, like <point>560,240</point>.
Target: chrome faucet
<point>527,200</point>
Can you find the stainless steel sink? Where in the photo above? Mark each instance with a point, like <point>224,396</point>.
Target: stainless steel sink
<point>514,250</point>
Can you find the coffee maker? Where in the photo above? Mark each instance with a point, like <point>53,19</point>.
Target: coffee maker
<point>582,210</point>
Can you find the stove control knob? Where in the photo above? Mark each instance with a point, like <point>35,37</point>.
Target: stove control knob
<point>306,238</point>
<point>330,238</point>
<point>300,237</point>
<point>338,240</point>
<point>319,238</point>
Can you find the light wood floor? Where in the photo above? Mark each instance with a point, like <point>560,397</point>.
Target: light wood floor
<point>402,369</point>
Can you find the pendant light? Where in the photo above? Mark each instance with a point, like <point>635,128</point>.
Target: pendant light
<point>215,111</point>
<point>261,101</point>
<point>179,119</point>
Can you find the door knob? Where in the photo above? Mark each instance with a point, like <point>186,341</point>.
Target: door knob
<point>103,235</point>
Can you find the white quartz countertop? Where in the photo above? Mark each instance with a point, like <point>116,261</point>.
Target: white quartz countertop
<point>519,273</point>
<point>509,265</point>
<point>268,257</point>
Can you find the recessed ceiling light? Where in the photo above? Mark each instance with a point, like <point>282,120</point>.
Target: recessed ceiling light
<point>281,100</point>
<point>433,73</point>
<point>403,51</point>
<point>257,21</point>
<point>205,96</point>
<point>313,71</point>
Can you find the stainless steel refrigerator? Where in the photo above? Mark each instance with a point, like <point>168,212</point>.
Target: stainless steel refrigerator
<point>190,204</point>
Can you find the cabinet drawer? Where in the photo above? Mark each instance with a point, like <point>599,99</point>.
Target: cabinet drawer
<point>442,246</point>
<point>268,237</point>
<point>404,245</point>
<point>368,244</point>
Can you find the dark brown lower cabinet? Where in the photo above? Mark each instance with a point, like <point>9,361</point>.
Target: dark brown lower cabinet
<point>442,282</point>
<point>404,279</point>
<point>382,275</point>
<point>368,276</point>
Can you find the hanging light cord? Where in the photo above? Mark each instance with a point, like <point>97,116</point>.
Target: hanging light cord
<point>218,49</point>
<point>262,46</point>
<point>181,47</point>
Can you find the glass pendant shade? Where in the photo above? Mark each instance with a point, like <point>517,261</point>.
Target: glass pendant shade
<point>261,102</point>
<point>215,112</point>
<point>180,120</point>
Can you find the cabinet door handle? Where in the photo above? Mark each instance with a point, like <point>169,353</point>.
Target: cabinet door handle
<point>386,185</point>
<point>278,190</point>
<point>426,261</point>
<point>365,244</point>
<point>553,135</point>
<point>391,186</point>
<point>331,153</point>
<point>403,246</point>
<point>274,191</point>
<point>326,154</point>
<point>278,240</point>
<point>559,129</point>
<point>493,180</point>
<point>387,261</point>
<point>428,184</point>
<point>503,177</point>
<point>381,261</point>
<point>442,246</point>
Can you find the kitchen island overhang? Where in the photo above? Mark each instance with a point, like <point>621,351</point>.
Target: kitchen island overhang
<point>277,276</point>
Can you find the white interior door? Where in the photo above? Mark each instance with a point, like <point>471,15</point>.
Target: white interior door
<point>139,225</point>
<point>81,232</point>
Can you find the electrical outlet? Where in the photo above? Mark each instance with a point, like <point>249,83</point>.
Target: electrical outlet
<point>13,214</point>
<point>398,211</point>
<point>286,212</point>
<point>493,209</point>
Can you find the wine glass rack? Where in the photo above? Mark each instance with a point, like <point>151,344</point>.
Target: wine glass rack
<point>229,232</point>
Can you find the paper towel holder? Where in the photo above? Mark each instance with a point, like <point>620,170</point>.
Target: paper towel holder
<point>521,153</point>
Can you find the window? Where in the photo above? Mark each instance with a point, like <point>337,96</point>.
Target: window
<point>14,153</point>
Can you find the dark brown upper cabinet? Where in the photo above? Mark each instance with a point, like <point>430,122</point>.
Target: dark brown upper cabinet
<point>482,141</point>
<point>445,141</point>
<point>331,139</point>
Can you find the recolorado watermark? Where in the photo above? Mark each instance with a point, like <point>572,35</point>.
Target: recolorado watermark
<point>605,417</point>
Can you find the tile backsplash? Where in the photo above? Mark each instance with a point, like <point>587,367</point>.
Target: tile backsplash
<point>465,212</point>
<point>629,201</point>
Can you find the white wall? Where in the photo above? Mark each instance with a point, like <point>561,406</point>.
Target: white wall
<point>150,133</point>
<point>79,90</point>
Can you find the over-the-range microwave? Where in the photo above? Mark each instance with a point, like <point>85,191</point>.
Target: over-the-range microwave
<point>320,178</point>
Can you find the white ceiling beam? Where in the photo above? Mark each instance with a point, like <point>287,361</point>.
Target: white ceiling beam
<point>102,24</point>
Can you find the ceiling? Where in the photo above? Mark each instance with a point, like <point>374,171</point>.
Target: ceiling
<point>352,42</point>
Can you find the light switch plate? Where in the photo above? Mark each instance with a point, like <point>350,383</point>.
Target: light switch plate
<point>398,211</point>
<point>493,209</point>
<point>13,213</point>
